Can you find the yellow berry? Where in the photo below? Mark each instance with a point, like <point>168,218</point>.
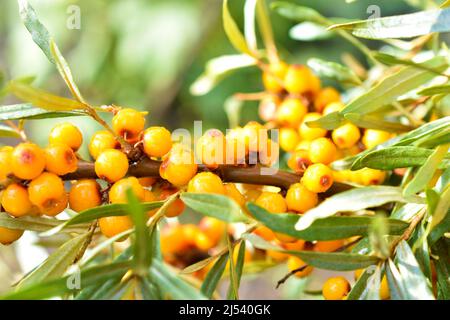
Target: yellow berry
<point>157,141</point>
<point>322,150</point>
<point>178,166</point>
<point>232,191</point>
<point>295,263</point>
<point>384,289</point>
<point>27,161</point>
<point>118,191</point>
<point>272,202</point>
<point>206,182</point>
<point>128,123</point>
<point>177,207</point>
<point>236,146</point>
<point>48,194</point>
<point>371,176</point>
<point>8,236</point>
<point>112,226</point>
<point>101,141</point>
<point>60,159</point>
<point>85,194</point>
<point>299,160</point>
<point>300,199</point>
<point>310,133</point>
<point>318,178</point>
<point>335,288</point>
<point>5,162</point>
<point>372,138</point>
<point>213,228</point>
<point>273,77</point>
<point>255,136</point>
<point>289,139</point>
<point>210,148</point>
<point>16,201</point>
<point>111,165</point>
<point>290,113</point>
<point>328,246</point>
<point>346,136</point>
<point>333,107</point>
<point>68,134</point>
<point>298,79</point>
<point>325,97</point>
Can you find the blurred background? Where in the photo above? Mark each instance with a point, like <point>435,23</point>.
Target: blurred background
<point>145,54</point>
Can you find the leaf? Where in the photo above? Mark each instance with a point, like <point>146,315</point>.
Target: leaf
<point>42,99</point>
<point>357,291</point>
<point>38,224</point>
<point>57,263</point>
<point>426,172</point>
<point>141,244</point>
<point>329,122</point>
<point>198,265</point>
<point>309,31</point>
<point>378,231</point>
<point>214,205</point>
<point>334,71</point>
<point>421,250</point>
<point>401,26</point>
<point>331,228</point>
<point>28,111</point>
<point>394,157</point>
<point>214,275</point>
<point>442,208</point>
<point>372,290</point>
<point>337,261</point>
<point>393,60</point>
<point>435,90</point>
<point>235,269</point>
<point>297,13</point>
<point>372,122</point>
<point>233,33</point>
<point>217,69</point>
<point>352,200</point>
<point>415,283</point>
<point>397,290</point>
<point>8,132</point>
<point>249,24</point>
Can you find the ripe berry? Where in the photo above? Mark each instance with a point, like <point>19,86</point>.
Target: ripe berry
<point>272,202</point>
<point>325,97</point>
<point>68,134</point>
<point>202,241</point>
<point>333,107</point>
<point>5,162</point>
<point>101,141</point>
<point>372,138</point>
<point>16,201</point>
<point>236,146</point>
<point>27,161</point>
<point>289,139</point>
<point>268,107</point>
<point>322,150</point>
<point>178,166</point>
<point>213,228</point>
<point>346,136</point>
<point>172,240</point>
<point>232,191</point>
<point>294,263</point>
<point>111,165</point>
<point>85,194</point>
<point>112,226</point>
<point>273,78</point>
<point>118,191</point>
<point>177,207</point>
<point>328,246</point>
<point>210,148</point>
<point>157,141</point>
<point>336,288</point>
<point>48,194</point>
<point>290,113</point>
<point>128,123</point>
<point>318,178</point>
<point>265,233</point>
<point>298,79</point>
<point>206,182</point>
<point>370,176</point>
<point>255,136</point>
<point>8,236</point>
<point>60,159</point>
<point>384,289</point>
<point>149,196</point>
<point>252,194</point>
<point>300,199</point>
<point>299,161</point>
<point>310,133</point>
<point>147,181</point>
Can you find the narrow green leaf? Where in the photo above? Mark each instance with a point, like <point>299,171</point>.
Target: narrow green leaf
<point>442,207</point>
<point>335,260</point>
<point>234,286</point>
<point>214,275</point>
<point>422,252</point>
<point>435,90</point>
<point>359,287</point>
<point>397,290</point>
<point>378,231</point>
<point>334,71</point>
<point>233,33</point>
<point>372,290</point>
<point>329,122</point>
<point>296,12</point>
<point>8,132</point>
<point>372,122</point>
<point>393,60</point>
<point>30,112</point>
<point>309,31</point>
<point>38,224</point>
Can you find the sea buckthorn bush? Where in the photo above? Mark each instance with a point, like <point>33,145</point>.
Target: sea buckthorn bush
<point>343,175</point>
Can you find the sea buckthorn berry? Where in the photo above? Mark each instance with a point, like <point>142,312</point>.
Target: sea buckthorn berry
<point>315,84</point>
<point>16,201</point>
<point>272,202</point>
<point>213,228</point>
<point>157,141</point>
<point>290,113</point>
<point>252,194</point>
<point>346,136</point>
<point>60,159</point>
<point>299,161</point>
<point>300,199</point>
<point>8,236</point>
<point>295,263</point>
<point>236,146</point>
<point>372,138</point>
<point>325,97</point>
<point>333,107</point>
<point>265,233</point>
<point>128,123</point>
<point>255,136</point>
<point>206,182</point>
<point>111,165</point>
<point>149,196</point>
<point>118,192</point>
<point>370,176</point>
<point>177,207</point>
<point>277,255</point>
<point>112,226</point>
<point>298,79</point>
<point>310,133</point>
<point>5,162</point>
<point>297,245</point>
<point>232,191</point>
<point>47,193</point>
<point>268,107</point>
<point>85,194</point>
<point>284,238</point>
<point>318,178</point>
<point>202,241</point>
<point>66,133</point>
<point>322,150</point>
<point>27,161</point>
<point>210,148</point>
<point>178,166</point>
<point>328,246</point>
<point>147,181</point>
<point>289,139</point>
<point>384,289</point>
<point>173,240</point>
<point>101,141</point>
<point>273,77</point>
<point>336,288</point>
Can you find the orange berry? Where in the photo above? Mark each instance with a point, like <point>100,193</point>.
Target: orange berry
<point>310,133</point>
<point>147,181</point>
<point>157,141</point>
<point>384,289</point>
<point>289,139</point>
<point>60,159</point>
<point>8,236</point>
<point>273,77</point>
<point>272,202</point>
<point>299,160</point>
<point>210,148</point>
<point>118,191</point>
<point>27,161</point>
<point>346,136</point>
<point>48,194</point>
<point>322,150</point>
<point>112,226</point>
<point>300,199</point>
<point>202,241</point>
<point>325,97</point>
<point>264,233</point>
<point>290,113</point>
<point>176,208</point>
<point>252,194</point>
<point>236,146</point>
<point>232,191</point>
<point>333,107</point>
<point>56,207</point>
<point>328,246</point>
<point>370,176</point>
<point>150,197</point>
<point>213,228</point>
<point>173,240</point>
<point>66,133</point>
<point>85,194</point>
<point>111,165</point>
<point>101,141</point>
<point>178,166</point>
<point>372,138</point>
<point>5,162</point>
<point>128,123</point>
<point>318,178</point>
<point>16,201</point>
<point>284,238</point>
<point>206,182</point>
<point>298,79</point>
<point>336,288</point>
<point>295,263</point>
<point>255,136</point>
